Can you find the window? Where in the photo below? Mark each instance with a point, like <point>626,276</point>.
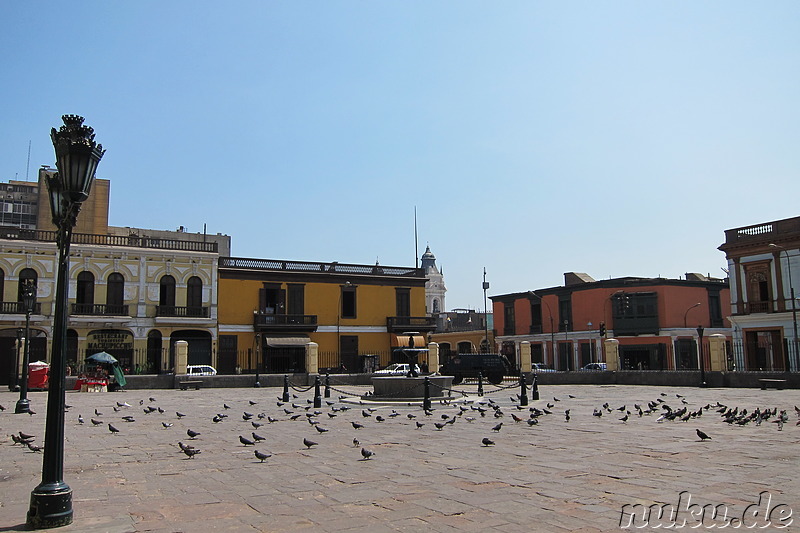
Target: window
<point>715,309</point>
<point>295,299</point>
<point>271,299</point>
<point>403,302</point>
<point>758,287</point>
<point>536,317</point>
<point>435,305</point>
<point>85,293</point>
<point>464,347</point>
<point>115,290</point>
<point>348,297</point>
<point>565,314</point>
<point>194,292</point>
<point>26,275</point>
<point>636,313</point>
<point>166,295</point>
<point>509,325</point>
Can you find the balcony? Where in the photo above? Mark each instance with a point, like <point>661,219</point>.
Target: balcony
<point>270,322</point>
<point>175,311</point>
<point>18,308</point>
<point>401,324</point>
<point>99,310</point>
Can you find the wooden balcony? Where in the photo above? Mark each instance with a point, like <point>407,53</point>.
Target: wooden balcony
<point>99,310</point>
<point>176,311</point>
<point>401,324</point>
<point>270,322</point>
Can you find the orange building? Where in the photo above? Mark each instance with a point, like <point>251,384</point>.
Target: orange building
<point>655,321</point>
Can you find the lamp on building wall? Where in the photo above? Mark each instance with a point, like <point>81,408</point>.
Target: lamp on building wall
<point>698,304</point>
<point>28,302</point>
<point>700,362</point>
<point>794,304</point>
<point>77,156</point>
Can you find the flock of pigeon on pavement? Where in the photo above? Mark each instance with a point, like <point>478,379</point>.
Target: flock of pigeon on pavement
<point>331,413</point>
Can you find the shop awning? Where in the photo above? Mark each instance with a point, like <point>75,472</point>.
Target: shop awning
<point>284,342</point>
<point>405,341</point>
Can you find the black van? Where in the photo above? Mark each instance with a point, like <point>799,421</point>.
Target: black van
<point>467,365</point>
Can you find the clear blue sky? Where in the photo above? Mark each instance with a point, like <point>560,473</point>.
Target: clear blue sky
<point>534,138</point>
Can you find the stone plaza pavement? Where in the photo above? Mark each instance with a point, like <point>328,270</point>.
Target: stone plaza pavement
<point>555,476</point>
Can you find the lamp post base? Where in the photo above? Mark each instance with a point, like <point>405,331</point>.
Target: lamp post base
<point>23,406</point>
<point>51,506</point>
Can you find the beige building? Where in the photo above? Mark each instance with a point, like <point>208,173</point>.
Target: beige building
<point>132,292</point>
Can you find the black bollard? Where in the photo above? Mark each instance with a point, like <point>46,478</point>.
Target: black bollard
<point>426,402</point>
<point>327,385</point>
<point>317,397</point>
<point>523,389</point>
<point>535,389</point>
<point>480,383</point>
<point>286,388</point>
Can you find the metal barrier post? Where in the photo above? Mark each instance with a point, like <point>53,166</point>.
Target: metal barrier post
<point>426,402</point>
<point>317,397</point>
<point>327,385</point>
<point>480,383</point>
<point>286,388</point>
<point>535,388</point>
<point>523,396</point>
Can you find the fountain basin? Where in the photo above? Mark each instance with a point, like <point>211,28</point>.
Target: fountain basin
<point>405,389</point>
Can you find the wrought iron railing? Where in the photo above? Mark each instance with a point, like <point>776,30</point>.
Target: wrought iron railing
<point>410,323</point>
<point>176,311</point>
<point>269,320</point>
<point>19,308</point>
<point>100,309</point>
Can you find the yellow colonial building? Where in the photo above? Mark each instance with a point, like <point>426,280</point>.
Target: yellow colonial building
<point>269,310</point>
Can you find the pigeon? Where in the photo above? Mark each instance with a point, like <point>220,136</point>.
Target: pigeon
<point>2,408</point>
<point>80,419</point>
<point>366,414</point>
<point>179,414</point>
<point>166,424</point>
<point>356,425</point>
<point>320,430</point>
<point>128,418</point>
<point>160,410</point>
<point>183,446</point>
<point>487,442</point>
<point>257,437</point>
<point>97,413</point>
<point>262,456</point>
<point>96,422</point>
<point>497,427</point>
<point>366,454</point>
<point>217,419</point>
<point>246,441</point>
<point>702,435</point>
<point>309,443</point>
<point>191,452</point>
<point>379,418</point>
<point>192,434</point>
<point>256,424</point>
<point>419,424</point>
<point>439,425</point>
<point>34,448</point>
<point>152,399</point>
<point>518,419</point>
<point>356,442</point>
<point>411,416</point>
<point>112,429</point>
<point>251,402</point>
<point>624,418</point>
<point>226,406</point>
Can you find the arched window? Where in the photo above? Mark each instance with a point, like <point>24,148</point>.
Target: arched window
<point>435,305</point>
<point>194,292</point>
<point>115,290</point>
<point>166,296</point>
<point>26,275</point>
<point>84,298</point>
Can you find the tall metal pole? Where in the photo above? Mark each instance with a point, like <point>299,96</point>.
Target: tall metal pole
<point>28,300</point>
<point>486,309</point>
<point>700,359</point>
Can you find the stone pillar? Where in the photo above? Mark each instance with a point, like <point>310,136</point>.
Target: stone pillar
<point>433,357</point>
<point>312,358</point>
<point>181,356</point>
<point>716,349</point>
<point>525,356</point>
<point>612,354</point>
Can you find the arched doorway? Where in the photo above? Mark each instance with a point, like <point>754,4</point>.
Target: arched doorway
<point>154,361</point>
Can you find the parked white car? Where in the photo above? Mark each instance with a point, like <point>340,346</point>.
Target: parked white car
<point>201,370</point>
<point>397,369</point>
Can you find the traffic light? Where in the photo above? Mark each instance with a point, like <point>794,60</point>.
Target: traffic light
<point>602,329</point>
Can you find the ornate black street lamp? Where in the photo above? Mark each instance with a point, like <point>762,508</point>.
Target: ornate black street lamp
<point>28,302</point>
<point>77,156</point>
<point>700,361</point>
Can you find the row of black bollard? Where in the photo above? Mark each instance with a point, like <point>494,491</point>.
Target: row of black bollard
<point>480,383</point>
<point>285,396</point>
<point>317,396</point>
<point>534,389</point>
<point>523,396</point>
<point>327,385</point>
<point>426,401</point>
